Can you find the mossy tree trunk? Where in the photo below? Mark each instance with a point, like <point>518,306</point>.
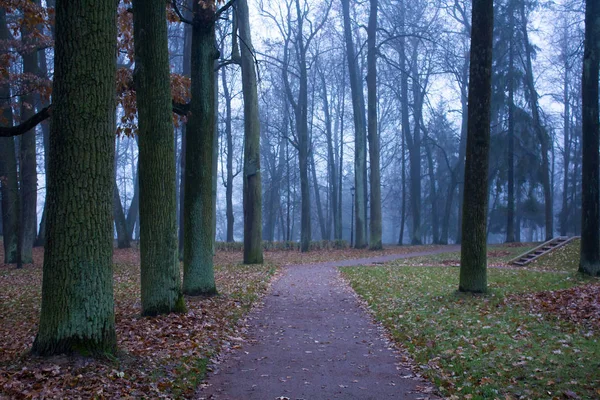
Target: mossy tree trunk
<point>198,272</point>
<point>473,262</point>
<point>77,313</point>
<point>252,176</point>
<point>160,283</point>
<point>589,262</point>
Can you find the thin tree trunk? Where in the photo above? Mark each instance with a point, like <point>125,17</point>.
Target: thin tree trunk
<point>360,155</point>
<point>373,134</point>
<point>510,223</point>
<point>77,312</point>
<point>27,156</point>
<point>229,155</point>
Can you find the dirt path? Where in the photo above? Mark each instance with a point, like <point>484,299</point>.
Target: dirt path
<point>312,340</point>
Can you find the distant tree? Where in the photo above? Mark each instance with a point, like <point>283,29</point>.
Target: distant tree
<point>473,263</point>
<point>360,134</point>
<point>589,263</point>
<point>27,143</point>
<point>160,280</point>
<point>252,175</point>
<point>373,134</point>
<point>77,312</point>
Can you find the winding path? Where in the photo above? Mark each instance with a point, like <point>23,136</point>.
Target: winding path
<point>313,340</point>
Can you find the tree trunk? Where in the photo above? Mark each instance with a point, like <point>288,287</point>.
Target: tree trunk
<point>160,281</point>
<point>564,212</point>
<point>375,222</point>
<point>252,177</point>
<point>123,241</point>
<point>27,157</point>
<point>435,223</point>
<point>331,164</point>
<point>187,67</point>
<point>9,184</point>
<point>473,265</point>
<point>510,223</point>
<point>229,162</point>
<point>589,263</point>
<point>198,272</point>
<point>77,312</point>
<point>360,154</point>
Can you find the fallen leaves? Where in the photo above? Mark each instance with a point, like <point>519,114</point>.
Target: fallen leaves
<point>579,305</point>
<point>161,357</point>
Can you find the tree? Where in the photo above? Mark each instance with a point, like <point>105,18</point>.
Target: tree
<point>160,281</point>
<point>27,148</point>
<point>252,178</point>
<point>8,172</point>
<point>360,154</point>
<point>589,262</point>
<point>198,271</point>
<point>77,312</point>
<point>473,262</point>
<point>375,237</point>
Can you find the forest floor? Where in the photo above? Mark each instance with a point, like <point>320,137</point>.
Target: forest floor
<point>165,356</point>
<point>535,335</point>
<point>547,316</point>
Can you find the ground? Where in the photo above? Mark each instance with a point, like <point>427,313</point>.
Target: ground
<point>536,335</point>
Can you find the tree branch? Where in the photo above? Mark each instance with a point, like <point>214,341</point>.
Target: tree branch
<point>179,14</point>
<point>28,125</point>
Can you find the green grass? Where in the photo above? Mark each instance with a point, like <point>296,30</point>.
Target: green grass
<point>482,347</point>
<point>564,258</point>
<point>497,254</point>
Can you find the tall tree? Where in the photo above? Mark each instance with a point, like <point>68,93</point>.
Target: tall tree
<point>160,280</point>
<point>27,148</point>
<point>473,261</point>
<point>198,270</point>
<point>360,151</point>
<point>589,263</point>
<point>9,184</point>
<point>77,313</point>
<point>252,179</point>
<point>375,223</point>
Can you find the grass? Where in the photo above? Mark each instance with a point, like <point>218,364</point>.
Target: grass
<point>497,254</point>
<point>482,347</point>
<point>564,258</point>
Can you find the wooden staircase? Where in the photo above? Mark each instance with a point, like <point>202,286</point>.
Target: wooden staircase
<point>542,249</point>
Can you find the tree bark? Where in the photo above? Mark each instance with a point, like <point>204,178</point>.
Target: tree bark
<point>229,155</point>
<point>510,215</point>
<point>77,312</point>
<point>160,280</point>
<point>252,176</point>
<point>589,263</point>
<point>198,272</point>
<point>473,265</point>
